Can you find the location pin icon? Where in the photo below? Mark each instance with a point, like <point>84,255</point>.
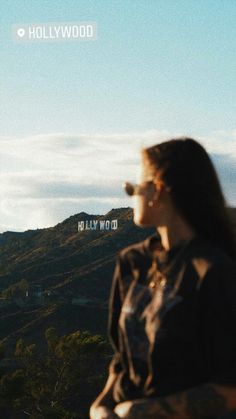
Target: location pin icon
<point>21,32</point>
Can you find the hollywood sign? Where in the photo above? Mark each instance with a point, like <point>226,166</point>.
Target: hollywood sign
<point>97,225</point>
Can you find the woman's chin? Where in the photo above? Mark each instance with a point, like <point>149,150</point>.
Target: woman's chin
<point>141,221</point>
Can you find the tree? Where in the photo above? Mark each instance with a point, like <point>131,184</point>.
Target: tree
<point>16,290</point>
<point>61,383</point>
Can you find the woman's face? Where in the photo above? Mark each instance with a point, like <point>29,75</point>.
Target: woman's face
<point>144,213</point>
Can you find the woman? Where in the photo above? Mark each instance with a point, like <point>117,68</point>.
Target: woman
<point>172,314</point>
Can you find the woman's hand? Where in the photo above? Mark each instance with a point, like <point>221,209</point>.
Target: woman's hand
<point>124,409</point>
<point>139,409</point>
<point>102,412</point>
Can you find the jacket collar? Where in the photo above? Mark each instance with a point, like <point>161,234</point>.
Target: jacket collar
<point>154,248</point>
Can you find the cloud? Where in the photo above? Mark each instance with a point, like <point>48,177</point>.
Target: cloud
<point>220,142</point>
<point>23,214</point>
<point>46,178</point>
<point>31,186</point>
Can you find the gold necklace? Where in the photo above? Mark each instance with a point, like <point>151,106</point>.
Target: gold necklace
<point>156,278</point>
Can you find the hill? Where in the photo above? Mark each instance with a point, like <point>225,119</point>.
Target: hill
<point>69,274</point>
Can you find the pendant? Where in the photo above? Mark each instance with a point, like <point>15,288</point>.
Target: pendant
<point>160,282</point>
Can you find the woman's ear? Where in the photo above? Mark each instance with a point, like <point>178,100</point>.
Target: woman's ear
<point>159,184</point>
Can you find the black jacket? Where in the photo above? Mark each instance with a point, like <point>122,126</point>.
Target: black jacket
<point>172,318</point>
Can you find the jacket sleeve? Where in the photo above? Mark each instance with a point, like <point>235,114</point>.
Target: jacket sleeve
<point>114,308</point>
<point>221,324</point>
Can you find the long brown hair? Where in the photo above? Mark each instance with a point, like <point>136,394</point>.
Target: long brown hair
<point>185,166</point>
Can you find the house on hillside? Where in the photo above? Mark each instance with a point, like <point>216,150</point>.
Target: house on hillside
<point>81,301</point>
<point>34,294</point>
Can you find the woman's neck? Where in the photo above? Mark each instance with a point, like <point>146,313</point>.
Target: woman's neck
<point>173,234</point>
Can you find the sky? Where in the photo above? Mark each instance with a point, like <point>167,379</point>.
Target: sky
<point>73,115</point>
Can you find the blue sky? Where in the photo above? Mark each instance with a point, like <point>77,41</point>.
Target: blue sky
<point>157,68</point>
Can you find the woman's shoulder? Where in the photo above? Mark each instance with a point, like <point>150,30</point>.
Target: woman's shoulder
<point>215,274</point>
<point>141,250</point>
<point>136,258</point>
<point>208,258</point>
<point>210,250</point>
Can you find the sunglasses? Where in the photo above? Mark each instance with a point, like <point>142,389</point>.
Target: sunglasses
<point>136,189</point>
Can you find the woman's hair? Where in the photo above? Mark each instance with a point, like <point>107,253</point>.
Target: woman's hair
<point>185,166</point>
